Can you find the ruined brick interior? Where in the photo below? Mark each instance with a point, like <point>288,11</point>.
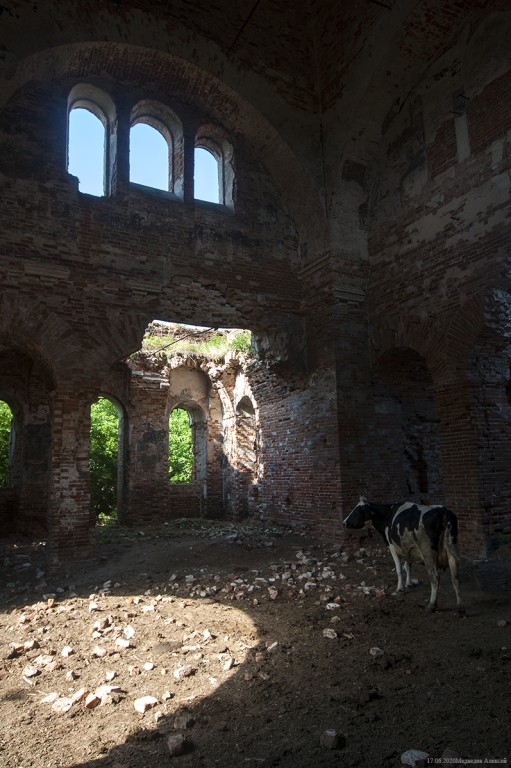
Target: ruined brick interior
<point>363,237</point>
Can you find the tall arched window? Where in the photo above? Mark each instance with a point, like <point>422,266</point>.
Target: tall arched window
<point>180,446</point>
<point>91,147</point>
<point>206,175</point>
<point>156,147</point>
<point>105,457</point>
<point>86,151</point>
<point>6,443</point>
<point>214,175</point>
<point>149,157</point>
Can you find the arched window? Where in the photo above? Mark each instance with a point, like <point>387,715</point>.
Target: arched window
<point>180,446</point>
<point>106,458</point>
<point>156,147</point>
<point>86,151</point>
<point>149,157</point>
<point>206,178</point>
<point>91,141</point>
<point>6,443</point>
<point>214,176</point>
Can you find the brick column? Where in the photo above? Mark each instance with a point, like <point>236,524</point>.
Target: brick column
<point>71,519</point>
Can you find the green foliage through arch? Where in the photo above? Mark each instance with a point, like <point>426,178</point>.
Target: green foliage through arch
<point>5,438</point>
<point>180,447</point>
<point>104,449</point>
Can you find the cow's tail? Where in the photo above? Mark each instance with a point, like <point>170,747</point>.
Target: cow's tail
<point>448,543</point>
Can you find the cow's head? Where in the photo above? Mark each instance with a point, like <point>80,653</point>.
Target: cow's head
<point>360,514</point>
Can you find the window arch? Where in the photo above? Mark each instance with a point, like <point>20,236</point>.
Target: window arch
<point>156,147</point>
<point>212,140</point>
<point>91,144</point>
<point>187,443</point>
<point>207,175</point>
<point>108,449</point>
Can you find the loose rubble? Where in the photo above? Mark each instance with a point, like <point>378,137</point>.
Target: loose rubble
<point>191,649</point>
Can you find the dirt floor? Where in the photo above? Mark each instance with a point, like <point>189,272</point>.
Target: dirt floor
<point>253,646</point>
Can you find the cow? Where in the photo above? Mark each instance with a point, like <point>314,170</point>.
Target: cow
<point>414,533</point>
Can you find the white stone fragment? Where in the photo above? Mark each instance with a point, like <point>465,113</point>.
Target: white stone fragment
<point>330,633</point>
<point>144,703</point>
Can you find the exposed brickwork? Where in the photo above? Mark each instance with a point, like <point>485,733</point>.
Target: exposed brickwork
<point>365,242</point>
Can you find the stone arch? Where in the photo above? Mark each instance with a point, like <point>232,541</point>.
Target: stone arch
<point>26,385</point>
<point>246,457</point>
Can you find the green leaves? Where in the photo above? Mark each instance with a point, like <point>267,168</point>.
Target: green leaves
<point>180,447</point>
<point>5,433</point>
<point>104,441</point>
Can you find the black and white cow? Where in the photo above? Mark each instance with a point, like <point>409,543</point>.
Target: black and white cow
<point>414,533</point>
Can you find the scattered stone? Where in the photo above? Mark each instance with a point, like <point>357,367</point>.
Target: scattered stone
<point>66,651</point>
<point>110,675</point>
<point>50,698</point>
<point>71,675</point>
<point>92,701</point>
<point>228,664</point>
<point>122,642</point>
<point>144,703</point>
<point>30,671</point>
<point>185,671</point>
<point>375,651</point>
<point>62,705</point>
<point>501,623</point>
<point>178,745</point>
<point>416,758</point>
<point>99,652</point>
<point>330,633</point>
<point>332,740</point>
<point>184,721</point>
<point>148,666</point>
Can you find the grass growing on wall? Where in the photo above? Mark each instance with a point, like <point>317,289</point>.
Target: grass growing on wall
<point>213,348</point>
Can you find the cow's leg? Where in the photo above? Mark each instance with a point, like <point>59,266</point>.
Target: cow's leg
<point>408,572</point>
<point>399,571</point>
<point>434,577</point>
<point>453,567</point>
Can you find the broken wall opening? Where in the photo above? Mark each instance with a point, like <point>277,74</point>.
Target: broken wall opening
<point>197,375</point>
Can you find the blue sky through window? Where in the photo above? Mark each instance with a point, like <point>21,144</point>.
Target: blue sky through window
<point>148,158</point>
<point>206,175</point>
<point>86,151</point>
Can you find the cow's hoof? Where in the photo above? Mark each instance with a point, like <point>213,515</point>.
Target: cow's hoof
<point>432,608</point>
